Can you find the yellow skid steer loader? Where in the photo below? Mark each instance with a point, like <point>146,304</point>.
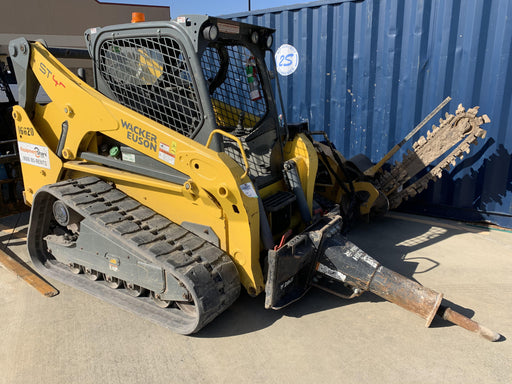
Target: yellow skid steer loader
<point>174,182</point>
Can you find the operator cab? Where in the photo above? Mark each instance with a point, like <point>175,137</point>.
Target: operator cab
<point>196,74</point>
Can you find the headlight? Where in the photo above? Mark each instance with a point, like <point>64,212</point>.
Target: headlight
<point>255,37</point>
<point>270,40</point>
<point>211,32</point>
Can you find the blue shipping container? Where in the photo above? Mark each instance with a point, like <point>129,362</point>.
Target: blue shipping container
<point>370,70</point>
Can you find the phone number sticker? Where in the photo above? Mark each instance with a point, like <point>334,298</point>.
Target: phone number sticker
<point>34,154</point>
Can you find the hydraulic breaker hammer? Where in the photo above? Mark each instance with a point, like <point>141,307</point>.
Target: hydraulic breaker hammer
<point>323,258</point>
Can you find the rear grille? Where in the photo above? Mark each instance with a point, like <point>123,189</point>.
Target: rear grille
<point>151,76</point>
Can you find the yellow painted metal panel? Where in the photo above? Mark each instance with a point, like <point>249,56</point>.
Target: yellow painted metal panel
<point>222,203</point>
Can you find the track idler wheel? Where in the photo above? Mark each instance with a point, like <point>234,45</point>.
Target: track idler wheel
<point>134,289</point>
<point>158,301</point>
<point>112,281</point>
<point>92,274</point>
<point>188,307</point>
<point>77,269</point>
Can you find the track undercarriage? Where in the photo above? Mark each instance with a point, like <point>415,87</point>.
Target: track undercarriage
<point>93,231</point>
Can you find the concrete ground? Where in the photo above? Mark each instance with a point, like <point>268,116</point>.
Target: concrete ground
<point>75,338</point>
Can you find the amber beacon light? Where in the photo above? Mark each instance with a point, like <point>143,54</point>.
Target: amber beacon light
<point>138,17</point>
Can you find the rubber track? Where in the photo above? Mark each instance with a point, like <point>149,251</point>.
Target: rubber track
<point>464,125</point>
<point>205,270</point>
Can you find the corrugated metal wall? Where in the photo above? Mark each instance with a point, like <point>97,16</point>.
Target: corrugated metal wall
<point>371,70</point>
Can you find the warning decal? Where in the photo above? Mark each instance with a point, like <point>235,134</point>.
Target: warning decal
<point>34,154</point>
<point>166,153</point>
